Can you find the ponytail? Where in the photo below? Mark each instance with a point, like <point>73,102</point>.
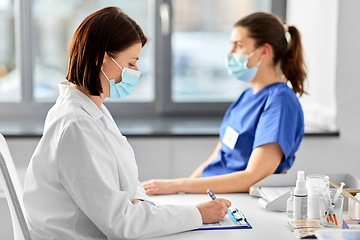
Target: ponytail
<point>268,28</point>
<point>292,63</point>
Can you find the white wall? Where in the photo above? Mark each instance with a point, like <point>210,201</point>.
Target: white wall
<point>317,23</point>
<point>339,154</point>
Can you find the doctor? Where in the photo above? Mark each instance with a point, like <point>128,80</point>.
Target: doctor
<point>262,130</point>
<point>82,181</point>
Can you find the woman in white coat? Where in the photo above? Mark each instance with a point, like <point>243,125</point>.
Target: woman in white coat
<point>82,181</point>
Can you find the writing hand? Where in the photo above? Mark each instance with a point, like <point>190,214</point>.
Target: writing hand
<point>214,211</point>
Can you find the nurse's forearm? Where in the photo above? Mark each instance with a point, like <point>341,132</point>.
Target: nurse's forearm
<point>263,162</point>
<point>227,183</point>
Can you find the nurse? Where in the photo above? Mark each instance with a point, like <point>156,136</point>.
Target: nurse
<point>262,130</point>
<point>82,181</point>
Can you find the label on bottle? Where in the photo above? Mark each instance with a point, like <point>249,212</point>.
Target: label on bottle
<point>300,207</point>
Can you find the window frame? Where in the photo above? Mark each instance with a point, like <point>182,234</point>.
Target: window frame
<point>162,65</point>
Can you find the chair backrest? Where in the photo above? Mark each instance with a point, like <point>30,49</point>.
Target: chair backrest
<point>12,187</point>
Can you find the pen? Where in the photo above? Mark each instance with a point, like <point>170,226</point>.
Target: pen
<point>334,217</point>
<point>211,194</point>
<point>327,217</point>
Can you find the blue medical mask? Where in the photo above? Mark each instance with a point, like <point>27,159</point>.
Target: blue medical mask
<point>127,85</point>
<point>237,66</point>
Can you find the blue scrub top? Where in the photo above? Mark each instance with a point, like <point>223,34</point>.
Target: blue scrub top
<point>273,114</point>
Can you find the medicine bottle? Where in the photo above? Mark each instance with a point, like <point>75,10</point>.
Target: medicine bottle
<point>300,197</point>
<point>315,184</point>
<point>290,206</point>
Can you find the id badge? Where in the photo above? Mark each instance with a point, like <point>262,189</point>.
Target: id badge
<point>230,137</point>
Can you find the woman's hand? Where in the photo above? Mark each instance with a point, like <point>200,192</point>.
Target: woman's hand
<point>157,187</point>
<point>135,201</point>
<point>213,211</point>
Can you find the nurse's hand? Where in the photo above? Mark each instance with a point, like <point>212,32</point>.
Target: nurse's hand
<point>213,211</point>
<point>156,187</point>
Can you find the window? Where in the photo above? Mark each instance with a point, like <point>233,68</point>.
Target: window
<point>199,45</point>
<point>10,90</point>
<point>54,24</point>
<point>182,67</point>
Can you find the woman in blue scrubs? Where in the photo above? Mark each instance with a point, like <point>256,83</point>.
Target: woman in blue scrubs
<point>262,129</point>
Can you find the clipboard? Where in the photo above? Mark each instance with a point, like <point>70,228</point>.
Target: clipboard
<point>233,220</point>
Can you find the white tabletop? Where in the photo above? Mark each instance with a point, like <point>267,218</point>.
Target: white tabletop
<point>265,224</point>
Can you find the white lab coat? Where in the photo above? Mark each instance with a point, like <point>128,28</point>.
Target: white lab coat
<point>83,176</point>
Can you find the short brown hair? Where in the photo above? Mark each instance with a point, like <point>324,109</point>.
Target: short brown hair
<point>106,30</point>
<point>268,28</point>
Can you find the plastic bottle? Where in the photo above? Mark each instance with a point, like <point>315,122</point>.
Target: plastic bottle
<point>290,206</point>
<point>315,184</point>
<point>300,197</point>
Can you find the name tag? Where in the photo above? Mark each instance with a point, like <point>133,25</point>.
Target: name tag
<point>230,137</point>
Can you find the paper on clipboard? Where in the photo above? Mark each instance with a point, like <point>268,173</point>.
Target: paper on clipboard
<point>228,222</point>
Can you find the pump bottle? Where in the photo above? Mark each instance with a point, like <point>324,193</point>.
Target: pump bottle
<point>300,197</point>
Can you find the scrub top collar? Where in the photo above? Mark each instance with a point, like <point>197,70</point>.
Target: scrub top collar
<point>264,88</point>
<point>87,104</point>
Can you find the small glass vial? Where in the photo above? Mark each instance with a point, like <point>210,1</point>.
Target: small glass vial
<point>290,206</point>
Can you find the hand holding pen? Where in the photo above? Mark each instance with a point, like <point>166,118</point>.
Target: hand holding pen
<point>237,214</point>
<point>213,211</point>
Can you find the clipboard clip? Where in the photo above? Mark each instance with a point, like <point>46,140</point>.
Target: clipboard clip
<point>237,214</point>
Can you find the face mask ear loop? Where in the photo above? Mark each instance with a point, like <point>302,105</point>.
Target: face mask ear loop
<point>104,74</point>
<point>258,63</point>
<point>252,54</point>
<point>116,63</point>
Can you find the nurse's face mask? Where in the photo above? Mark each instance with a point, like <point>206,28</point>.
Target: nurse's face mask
<point>237,66</point>
<point>129,80</point>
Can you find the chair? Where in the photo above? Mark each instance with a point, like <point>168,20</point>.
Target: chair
<point>12,187</point>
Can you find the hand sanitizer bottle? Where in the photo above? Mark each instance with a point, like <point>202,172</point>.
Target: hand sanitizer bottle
<point>300,197</point>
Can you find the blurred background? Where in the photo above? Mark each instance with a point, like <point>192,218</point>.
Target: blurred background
<point>183,65</point>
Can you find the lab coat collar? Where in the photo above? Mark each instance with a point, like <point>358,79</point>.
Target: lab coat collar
<point>88,105</point>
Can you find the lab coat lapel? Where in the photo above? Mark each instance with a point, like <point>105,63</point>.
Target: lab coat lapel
<point>127,167</point>
<point>109,121</point>
<point>111,126</point>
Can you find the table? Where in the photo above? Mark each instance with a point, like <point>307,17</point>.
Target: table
<point>266,224</point>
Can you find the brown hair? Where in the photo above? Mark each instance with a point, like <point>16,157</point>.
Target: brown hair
<point>268,28</point>
<point>106,30</point>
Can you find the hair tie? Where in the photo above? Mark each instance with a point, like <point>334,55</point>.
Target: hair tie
<point>286,28</point>
<point>287,33</point>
